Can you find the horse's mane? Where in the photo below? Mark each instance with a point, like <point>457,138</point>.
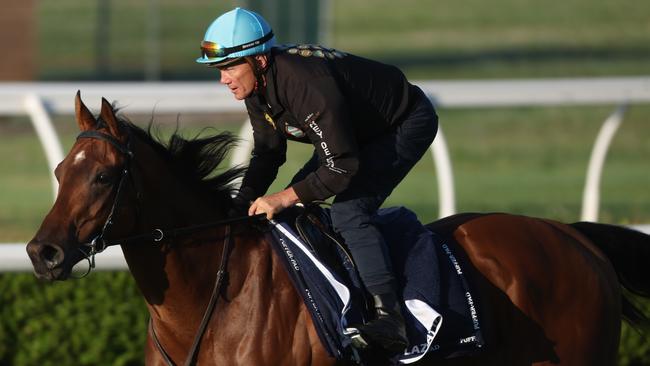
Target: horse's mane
<point>194,161</point>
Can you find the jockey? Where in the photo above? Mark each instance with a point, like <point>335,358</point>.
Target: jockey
<point>368,126</point>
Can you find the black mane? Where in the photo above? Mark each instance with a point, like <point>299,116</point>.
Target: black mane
<point>194,161</point>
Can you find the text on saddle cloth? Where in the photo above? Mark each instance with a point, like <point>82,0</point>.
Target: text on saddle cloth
<point>440,310</point>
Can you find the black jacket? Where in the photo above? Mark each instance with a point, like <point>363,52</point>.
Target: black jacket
<point>335,101</point>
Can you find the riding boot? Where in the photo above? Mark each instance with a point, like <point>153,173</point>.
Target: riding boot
<point>387,329</point>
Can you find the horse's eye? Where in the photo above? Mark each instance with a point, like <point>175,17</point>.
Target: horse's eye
<point>103,178</point>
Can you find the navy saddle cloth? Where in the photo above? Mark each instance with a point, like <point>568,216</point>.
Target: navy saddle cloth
<point>440,309</point>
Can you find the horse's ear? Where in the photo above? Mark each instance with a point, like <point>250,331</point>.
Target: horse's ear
<point>108,115</point>
<point>85,119</point>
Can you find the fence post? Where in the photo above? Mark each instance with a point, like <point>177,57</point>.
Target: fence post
<point>591,195</point>
<point>46,133</point>
<point>442,162</point>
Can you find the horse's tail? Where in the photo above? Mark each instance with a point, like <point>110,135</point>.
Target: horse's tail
<point>629,252</point>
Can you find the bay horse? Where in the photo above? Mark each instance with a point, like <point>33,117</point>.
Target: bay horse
<point>554,293</point>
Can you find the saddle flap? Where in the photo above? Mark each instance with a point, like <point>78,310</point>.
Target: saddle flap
<point>314,226</point>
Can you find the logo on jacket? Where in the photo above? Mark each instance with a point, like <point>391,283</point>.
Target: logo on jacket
<point>269,120</point>
<point>308,50</point>
<point>295,131</point>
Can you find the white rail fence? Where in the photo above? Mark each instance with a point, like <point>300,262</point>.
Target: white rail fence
<point>40,100</point>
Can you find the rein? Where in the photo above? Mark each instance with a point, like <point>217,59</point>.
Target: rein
<point>216,290</point>
<point>100,243</point>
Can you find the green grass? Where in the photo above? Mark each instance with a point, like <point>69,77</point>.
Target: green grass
<point>474,24</point>
<point>504,38</point>
<point>534,161</point>
<point>526,160</point>
<point>441,39</point>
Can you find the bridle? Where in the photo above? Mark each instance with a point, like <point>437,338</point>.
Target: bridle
<point>100,243</point>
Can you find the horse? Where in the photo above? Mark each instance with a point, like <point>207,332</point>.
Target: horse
<point>555,293</point>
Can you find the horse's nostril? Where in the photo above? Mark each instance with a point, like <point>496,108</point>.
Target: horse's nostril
<point>51,255</point>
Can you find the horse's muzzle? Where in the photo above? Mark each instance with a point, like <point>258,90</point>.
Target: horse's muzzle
<point>48,261</point>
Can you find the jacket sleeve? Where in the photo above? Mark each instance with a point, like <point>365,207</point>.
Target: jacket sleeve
<point>269,152</point>
<point>310,166</point>
<point>321,109</point>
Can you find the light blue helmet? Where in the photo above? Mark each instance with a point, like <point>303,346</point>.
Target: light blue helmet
<point>236,34</point>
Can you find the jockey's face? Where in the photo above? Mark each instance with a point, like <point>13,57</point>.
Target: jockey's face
<point>239,78</point>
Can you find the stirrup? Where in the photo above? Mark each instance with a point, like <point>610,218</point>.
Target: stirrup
<point>362,343</point>
<point>356,338</point>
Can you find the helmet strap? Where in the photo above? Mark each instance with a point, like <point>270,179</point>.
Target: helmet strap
<point>258,71</point>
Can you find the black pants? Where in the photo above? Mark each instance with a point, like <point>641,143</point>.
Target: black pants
<point>383,164</point>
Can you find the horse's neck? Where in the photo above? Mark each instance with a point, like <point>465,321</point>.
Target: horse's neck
<point>176,277</point>
<point>256,290</point>
<point>178,207</point>
<point>162,270</point>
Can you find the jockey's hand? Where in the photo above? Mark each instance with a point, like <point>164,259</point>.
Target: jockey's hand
<point>274,203</point>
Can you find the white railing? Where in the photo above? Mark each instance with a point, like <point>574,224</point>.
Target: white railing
<point>39,100</point>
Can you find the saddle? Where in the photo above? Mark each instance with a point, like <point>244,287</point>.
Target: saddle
<point>441,313</point>
<point>314,225</point>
